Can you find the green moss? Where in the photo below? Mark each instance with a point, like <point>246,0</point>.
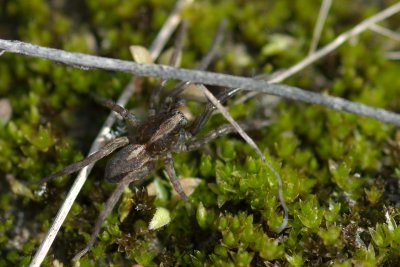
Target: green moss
<point>340,172</point>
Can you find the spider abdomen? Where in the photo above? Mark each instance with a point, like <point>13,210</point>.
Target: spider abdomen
<point>132,160</point>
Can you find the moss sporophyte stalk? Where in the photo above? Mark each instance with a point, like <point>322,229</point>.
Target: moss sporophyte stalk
<point>339,171</point>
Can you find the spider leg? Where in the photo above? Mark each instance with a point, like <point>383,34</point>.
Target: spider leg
<point>196,143</point>
<point>169,167</point>
<point>103,152</point>
<point>155,98</point>
<point>205,61</point>
<point>131,121</point>
<point>111,201</point>
<point>203,118</point>
<point>173,61</point>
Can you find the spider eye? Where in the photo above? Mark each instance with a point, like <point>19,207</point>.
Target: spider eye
<point>182,119</point>
<point>181,114</point>
<point>185,113</point>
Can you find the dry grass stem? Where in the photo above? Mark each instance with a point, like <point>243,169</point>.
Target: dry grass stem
<point>253,145</point>
<point>323,13</point>
<point>359,28</point>
<point>395,36</point>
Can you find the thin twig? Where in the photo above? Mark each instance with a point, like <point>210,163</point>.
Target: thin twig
<point>155,50</point>
<point>201,77</point>
<point>393,55</point>
<point>206,60</point>
<point>359,28</point>
<point>384,14</point>
<point>265,77</point>
<point>250,141</point>
<point>173,61</point>
<point>168,28</point>
<point>323,13</point>
<point>385,32</point>
<point>212,50</point>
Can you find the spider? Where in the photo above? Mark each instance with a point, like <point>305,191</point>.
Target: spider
<point>165,131</point>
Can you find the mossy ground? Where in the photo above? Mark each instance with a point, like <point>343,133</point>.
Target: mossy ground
<point>340,172</point>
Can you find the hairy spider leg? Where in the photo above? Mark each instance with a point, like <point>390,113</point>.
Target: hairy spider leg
<point>205,61</point>
<point>173,61</point>
<point>225,129</point>
<point>103,152</point>
<point>169,167</point>
<point>108,207</point>
<point>201,120</point>
<point>131,121</point>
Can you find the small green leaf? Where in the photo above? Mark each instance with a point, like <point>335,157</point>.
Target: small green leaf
<point>295,260</point>
<point>330,236</point>
<point>161,218</point>
<point>19,188</point>
<point>229,239</point>
<point>311,214</point>
<point>381,236</point>
<point>201,216</point>
<point>140,54</point>
<point>278,43</point>
<point>41,139</point>
<point>332,213</point>
<point>126,205</point>
<point>373,194</point>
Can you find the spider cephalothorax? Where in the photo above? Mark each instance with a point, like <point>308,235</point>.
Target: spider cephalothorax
<point>156,137</point>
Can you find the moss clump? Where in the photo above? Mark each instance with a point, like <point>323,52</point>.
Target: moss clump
<point>340,172</point>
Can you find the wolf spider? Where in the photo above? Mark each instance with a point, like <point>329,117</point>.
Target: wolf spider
<point>165,131</point>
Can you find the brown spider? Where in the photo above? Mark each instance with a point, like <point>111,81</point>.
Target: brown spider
<point>165,131</point>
